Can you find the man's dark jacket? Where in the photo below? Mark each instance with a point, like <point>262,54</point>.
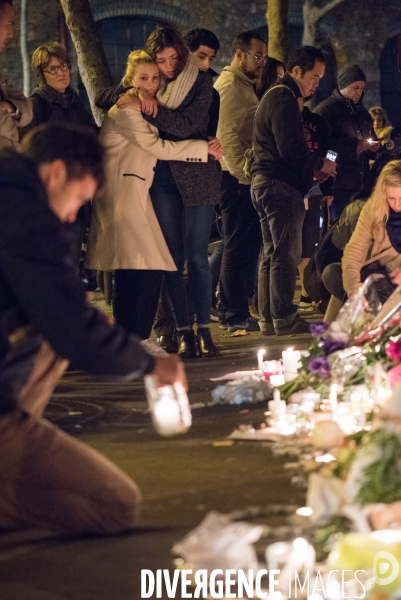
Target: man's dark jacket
<point>349,123</point>
<point>279,144</point>
<point>41,297</point>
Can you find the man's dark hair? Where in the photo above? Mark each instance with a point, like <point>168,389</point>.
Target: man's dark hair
<point>4,3</point>
<point>305,58</point>
<point>243,41</point>
<point>77,146</point>
<point>201,37</point>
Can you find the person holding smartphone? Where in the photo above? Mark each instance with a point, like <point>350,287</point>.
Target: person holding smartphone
<point>352,137</point>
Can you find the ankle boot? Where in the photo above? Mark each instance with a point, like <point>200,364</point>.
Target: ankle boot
<point>167,343</point>
<point>205,342</point>
<point>186,343</point>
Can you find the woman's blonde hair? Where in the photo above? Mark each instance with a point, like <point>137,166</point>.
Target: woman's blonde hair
<point>135,58</point>
<point>389,177</point>
<point>379,112</point>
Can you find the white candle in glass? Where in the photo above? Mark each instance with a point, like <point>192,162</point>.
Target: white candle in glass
<point>291,358</point>
<point>261,354</point>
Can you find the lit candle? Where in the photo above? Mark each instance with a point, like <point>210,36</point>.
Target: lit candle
<point>277,380</point>
<point>261,354</point>
<point>291,358</point>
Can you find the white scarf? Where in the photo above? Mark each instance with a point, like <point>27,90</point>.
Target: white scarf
<point>172,95</point>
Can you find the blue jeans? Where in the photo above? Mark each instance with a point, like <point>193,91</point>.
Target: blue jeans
<point>281,210</point>
<point>186,230</point>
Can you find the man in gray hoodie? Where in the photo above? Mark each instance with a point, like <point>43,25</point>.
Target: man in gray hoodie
<point>241,228</point>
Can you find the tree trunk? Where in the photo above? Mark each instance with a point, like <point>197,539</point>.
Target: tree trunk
<point>277,21</point>
<point>311,21</point>
<point>26,67</point>
<point>92,62</point>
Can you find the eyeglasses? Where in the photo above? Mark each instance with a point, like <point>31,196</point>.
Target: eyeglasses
<point>261,60</point>
<point>54,69</point>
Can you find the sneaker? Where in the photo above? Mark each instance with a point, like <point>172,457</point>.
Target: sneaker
<point>297,326</point>
<point>267,329</point>
<point>223,323</point>
<point>306,302</point>
<point>214,314</point>
<point>249,324</point>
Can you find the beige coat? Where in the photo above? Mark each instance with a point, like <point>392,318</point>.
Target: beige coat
<point>367,236</point>
<point>9,124</point>
<point>124,232</point>
<point>238,104</point>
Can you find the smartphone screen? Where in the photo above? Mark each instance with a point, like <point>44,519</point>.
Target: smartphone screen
<point>331,155</point>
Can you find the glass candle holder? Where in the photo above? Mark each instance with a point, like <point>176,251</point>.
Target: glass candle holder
<point>169,407</point>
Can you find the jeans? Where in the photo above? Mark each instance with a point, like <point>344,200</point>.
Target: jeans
<point>186,230</point>
<point>135,298</point>
<point>215,269</point>
<point>282,211</point>
<point>242,244</point>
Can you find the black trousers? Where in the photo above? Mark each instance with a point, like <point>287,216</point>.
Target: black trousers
<point>135,297</point>
<point>242,245</point>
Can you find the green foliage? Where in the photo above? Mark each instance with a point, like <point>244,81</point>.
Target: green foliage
<point>325,535</point>
<point>382,478</point>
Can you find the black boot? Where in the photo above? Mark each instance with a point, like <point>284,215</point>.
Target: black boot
<point>186,343</point>
<point>205,342</point>
<point>167,343</point>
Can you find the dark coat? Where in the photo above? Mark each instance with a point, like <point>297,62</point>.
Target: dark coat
<point>279,144</point>
<point>198,183</point>
<point>41,294</point>
<point>349,123</point>
<point>44,111</point>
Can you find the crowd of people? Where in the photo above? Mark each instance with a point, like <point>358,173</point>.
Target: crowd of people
<point>174,150</point>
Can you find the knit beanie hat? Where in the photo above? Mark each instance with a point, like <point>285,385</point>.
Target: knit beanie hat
<point>350,75</point>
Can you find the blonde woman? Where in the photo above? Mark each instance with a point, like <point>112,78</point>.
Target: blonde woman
<point>124,234</point>
<point>381,124</point>
<point>375,245</point>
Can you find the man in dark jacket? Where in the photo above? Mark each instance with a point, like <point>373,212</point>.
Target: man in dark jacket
<point>48,479</point>
<point>352,136</point>
<point>282,173</point>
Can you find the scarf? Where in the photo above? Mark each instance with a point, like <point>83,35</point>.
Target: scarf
<point>393,227</point>
<point>172,95</point>
<point>51,95</point>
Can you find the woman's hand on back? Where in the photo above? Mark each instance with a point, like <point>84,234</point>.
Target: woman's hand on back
<point>215,149</point>
<point>148,103</point>
<point>128,100</point>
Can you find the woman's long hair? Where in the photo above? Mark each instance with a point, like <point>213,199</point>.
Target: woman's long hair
<point>168,37</point>
<point>268,76</point>
<point>379,112</point>
<point>389,177</point>
<point>135,58</point>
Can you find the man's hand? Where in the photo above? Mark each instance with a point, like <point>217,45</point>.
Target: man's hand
<point>8,107</point>
<point>328,200</point>
<point>329,167</point>
<point>149,104</point>
<point>396,276</point>
<point>364,145</point>
<point>128,100</point>
<point>320,176</point>
<point>169,370</point>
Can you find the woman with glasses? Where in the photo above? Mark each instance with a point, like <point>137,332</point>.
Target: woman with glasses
<point>55,100</point>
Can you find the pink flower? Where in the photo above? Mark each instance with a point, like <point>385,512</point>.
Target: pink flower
<point>393,350</point>
<point>394,376</point>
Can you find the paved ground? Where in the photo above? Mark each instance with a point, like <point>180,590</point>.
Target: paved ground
<point>181,479</point>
